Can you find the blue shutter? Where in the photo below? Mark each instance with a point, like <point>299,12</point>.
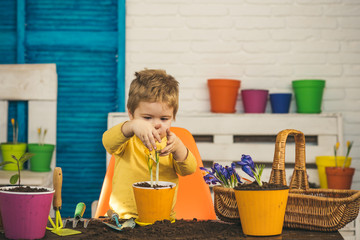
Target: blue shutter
<point>86,40</point>
<point>7,31</point>
<point>8,55</point>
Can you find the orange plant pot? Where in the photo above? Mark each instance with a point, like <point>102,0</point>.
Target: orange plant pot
<point>154,204</point>
<point>329,161</point>
<point>262,212</point>
<point>339,178</point>
<point>223,95</point>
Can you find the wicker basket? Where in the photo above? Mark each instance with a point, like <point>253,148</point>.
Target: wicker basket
<point>311,209</point>
<point>226,208</point>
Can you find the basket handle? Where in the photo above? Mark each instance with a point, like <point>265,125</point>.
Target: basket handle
<point>299,178</point>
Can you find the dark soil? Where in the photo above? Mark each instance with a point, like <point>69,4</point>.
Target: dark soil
<point>26,189</point>
<point>147,185</point>
<point>255,186</point>
<point>180,229</point>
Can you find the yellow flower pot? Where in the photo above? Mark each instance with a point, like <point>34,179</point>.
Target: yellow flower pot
<point>154,204</point>
<point>262,212</point>
<point>328,161</point>
<point>9,149</point>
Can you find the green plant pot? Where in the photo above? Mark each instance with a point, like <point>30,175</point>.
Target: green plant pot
<point>9,149</point>
<point>41,161</point>
<point>308,95</point>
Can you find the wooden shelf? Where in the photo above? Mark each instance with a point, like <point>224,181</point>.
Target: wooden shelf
<point>28,177</point>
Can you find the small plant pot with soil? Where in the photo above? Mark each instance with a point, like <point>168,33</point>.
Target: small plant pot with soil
<point>261,209</point>
<point>153,203</point>
<point>25,211</point>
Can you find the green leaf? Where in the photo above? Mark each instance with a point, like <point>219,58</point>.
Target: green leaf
<point>14,158</point>
<point>14,179</point>
<point>25,157</point>
<point>4,163</point>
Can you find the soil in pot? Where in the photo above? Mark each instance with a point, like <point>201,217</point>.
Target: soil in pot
<point>255,186</point>
<point>148,185</point>
<point>26,189</point>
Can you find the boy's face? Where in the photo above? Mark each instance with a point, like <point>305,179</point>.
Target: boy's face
<point>157,113</point>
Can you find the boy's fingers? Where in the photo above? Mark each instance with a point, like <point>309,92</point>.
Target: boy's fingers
<point>147,143</point>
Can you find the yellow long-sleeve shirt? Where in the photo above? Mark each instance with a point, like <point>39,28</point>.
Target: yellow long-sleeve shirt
<point>131,167</point>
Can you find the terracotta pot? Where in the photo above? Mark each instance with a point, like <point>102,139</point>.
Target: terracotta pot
<point>223,95</point>
<point>262,212</point>
<point>154,204</point>
<point>329,161</point>
<point>339,178</point>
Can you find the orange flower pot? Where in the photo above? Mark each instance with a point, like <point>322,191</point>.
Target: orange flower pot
<point>339,178</point>
<point>223,95</point>
<point>154,204</point>
<point>262,212</point>
<point>329,161</point>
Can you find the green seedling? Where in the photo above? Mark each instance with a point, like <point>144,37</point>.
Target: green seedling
<point>17,177</point>
<point>258,172</point>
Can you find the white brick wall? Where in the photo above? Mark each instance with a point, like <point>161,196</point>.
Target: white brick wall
<point>265,44</point>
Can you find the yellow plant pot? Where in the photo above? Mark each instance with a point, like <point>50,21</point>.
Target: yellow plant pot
<point>329,161</point>
<point>9,149</point>
<point>262,212</point>
<point>154,204</point>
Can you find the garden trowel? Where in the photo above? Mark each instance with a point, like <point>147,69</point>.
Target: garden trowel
<point>115,217</point>
<point>58,225</point>
<point>78,216</point>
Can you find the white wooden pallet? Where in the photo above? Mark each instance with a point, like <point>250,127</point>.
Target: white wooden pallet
<point>37,84</point>
<point>223,128</point>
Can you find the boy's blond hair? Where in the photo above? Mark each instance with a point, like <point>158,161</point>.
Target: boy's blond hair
<point>153,85</point>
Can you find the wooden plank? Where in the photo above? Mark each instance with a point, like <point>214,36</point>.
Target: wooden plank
<point>29,178</point>
<point>28,82</point>
<point>3,120</point>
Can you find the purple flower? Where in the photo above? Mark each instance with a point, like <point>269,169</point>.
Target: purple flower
<point>226,176</point>
<point>247,165</point>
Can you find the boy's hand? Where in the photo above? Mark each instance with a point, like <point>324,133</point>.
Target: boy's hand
<point>144,130</point>
<point>175,146</point>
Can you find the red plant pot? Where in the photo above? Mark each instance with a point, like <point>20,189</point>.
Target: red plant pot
<point>339,178</point>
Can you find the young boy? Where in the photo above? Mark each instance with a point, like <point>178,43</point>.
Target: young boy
<point>152,106</point>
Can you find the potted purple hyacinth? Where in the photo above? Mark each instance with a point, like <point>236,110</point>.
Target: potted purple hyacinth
<point>261,205</point>
<point>224,179</point>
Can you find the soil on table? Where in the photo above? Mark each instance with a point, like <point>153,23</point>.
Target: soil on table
<point>180,229</point>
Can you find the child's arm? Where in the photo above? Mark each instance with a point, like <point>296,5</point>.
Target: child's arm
<point>144,130</point>
<point>175,146</point>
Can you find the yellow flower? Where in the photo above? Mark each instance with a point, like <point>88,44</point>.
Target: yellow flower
<point>337,146</point>
<point>39,131</point>
<point>13,121</point>
<point>146,151</point>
